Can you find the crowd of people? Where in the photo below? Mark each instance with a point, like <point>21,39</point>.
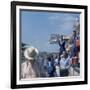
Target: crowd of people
<point>53,65</point>
<point>68,57</point>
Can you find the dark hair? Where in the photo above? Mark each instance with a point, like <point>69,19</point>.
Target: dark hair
<point>56,56</point>
<point>74,31</point>
<point>49,58</point>
<point>66,54</point>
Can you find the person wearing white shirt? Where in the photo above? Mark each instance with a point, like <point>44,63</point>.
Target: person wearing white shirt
<point>65,64</point>
<point>57,67</point>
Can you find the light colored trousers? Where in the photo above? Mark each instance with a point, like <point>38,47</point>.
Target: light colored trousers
<point>57,70</point>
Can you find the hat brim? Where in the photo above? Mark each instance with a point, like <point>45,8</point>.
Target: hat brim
<point>28,51</point>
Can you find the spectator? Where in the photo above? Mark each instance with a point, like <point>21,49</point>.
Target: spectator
<point>57,68</point>
<point>61,45</point>
<point>74,47</point>
<point>29,68</point>
<point>50,67</point>
<point>65,64</point>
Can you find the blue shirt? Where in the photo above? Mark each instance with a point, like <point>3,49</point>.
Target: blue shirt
<point>50,67</point>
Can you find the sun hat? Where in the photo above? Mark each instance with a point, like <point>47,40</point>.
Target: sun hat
<point>31,53</point>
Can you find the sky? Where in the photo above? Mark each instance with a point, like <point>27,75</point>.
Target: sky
<point>37,27</point>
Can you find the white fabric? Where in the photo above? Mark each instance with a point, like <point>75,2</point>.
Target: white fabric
<point>57,70</point>
<point>65,63</point>
<point>29,70</point>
